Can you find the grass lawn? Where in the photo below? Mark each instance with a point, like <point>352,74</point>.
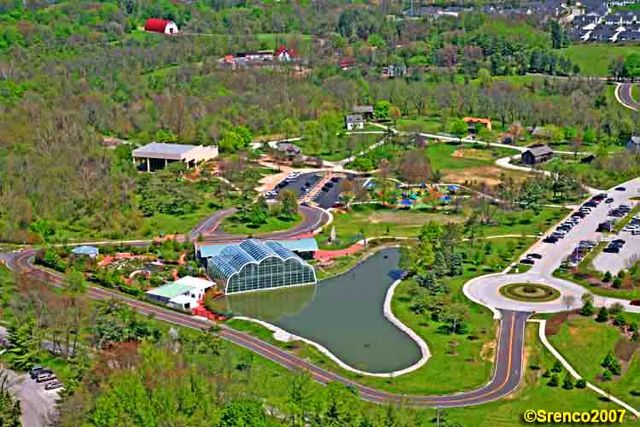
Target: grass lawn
<point>376,221</point>
<point>234,226</point>
<point>585,342</point>
<point>589,174</point>
<point>423,124</point>
<point>523,222</point>
<point>340,149</point>
<point>635,92</point>
<point>594,59</point>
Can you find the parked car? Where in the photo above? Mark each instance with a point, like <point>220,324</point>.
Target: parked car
<point>609,200</point>
<point>38,370</point>
<point>534,255</point>
<point>621,189</point>
<point>43,378</point>
<point>53,385</point>
<point>528,261</point>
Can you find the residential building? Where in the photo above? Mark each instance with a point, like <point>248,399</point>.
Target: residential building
<point>354,122</point>
<point>473,121</point>
<point>183,294</point>
<point>164,26</point>
<point>254,265</point>
<point>157,155</point>
<point>536,153</point>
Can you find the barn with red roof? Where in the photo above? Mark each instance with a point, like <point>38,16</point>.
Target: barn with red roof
<point>164,26</point>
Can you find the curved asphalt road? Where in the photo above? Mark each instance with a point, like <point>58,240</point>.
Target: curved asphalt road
<point>625,97</point>
<point>312,218</point>
<point>506,376</point>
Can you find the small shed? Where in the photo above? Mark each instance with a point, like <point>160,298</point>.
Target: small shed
<point>536,153</point>
<point>633,145</point>
<point>164,26</point>
<point>90,251</point>
<point>354,122</point>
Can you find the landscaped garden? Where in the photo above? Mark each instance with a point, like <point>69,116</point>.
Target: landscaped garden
<point>529,292</point>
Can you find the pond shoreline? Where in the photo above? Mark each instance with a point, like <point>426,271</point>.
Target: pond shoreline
<point>283,335</point>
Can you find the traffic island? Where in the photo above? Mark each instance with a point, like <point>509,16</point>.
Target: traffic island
<point>529,292</point>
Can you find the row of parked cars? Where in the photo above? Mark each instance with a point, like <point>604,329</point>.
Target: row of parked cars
<point>575,218</point>
<point>580,251</point>
<point>45,376</point>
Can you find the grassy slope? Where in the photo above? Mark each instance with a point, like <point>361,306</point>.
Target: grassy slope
<point>594,59</point>
<point>585,342</point>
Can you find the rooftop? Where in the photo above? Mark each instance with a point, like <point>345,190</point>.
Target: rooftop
<point>158,150</point>
<point>300,245</point>
<point>539,149</point>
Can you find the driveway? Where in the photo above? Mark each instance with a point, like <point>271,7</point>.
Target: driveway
<point>36,403</point>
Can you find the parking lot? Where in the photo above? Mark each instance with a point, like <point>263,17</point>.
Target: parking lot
<point>555,252</point>
<point>326,197</point>
<point>613,261</point>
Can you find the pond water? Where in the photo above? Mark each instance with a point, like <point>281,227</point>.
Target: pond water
<point>344,314</point>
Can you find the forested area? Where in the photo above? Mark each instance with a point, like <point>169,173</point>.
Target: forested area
<point>71,75</point>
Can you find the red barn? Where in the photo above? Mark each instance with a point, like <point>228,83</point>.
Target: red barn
<point>163,26</point>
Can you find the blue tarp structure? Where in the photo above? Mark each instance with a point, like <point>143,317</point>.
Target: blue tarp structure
<point>453,187</point>
<point>406,202</point>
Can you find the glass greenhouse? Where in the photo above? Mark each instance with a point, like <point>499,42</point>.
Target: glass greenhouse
<point>254,265</point>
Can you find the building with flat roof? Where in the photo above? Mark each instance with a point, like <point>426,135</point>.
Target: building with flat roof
<point>84,250</point>
<point>158,155</point>
<point>253,265</point>
<point>183,294</point>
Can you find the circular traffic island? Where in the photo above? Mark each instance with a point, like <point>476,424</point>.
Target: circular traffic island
<point>529,292</point>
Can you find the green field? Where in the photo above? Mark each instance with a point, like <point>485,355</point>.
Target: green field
<point>233,226</point>
<point>585,343</point>
<point>594,59</point>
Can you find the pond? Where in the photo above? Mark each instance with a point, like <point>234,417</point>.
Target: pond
<point>343,314</point>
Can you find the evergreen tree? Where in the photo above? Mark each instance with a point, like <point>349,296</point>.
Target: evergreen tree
<point>567,383</point>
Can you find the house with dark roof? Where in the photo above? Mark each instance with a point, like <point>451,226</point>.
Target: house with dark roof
<point>288,149</point>
<point>536,153</point>
<point>365,110</point>
<point>633,145</point>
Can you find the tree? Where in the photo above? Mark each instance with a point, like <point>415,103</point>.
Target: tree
<point>289,204</point>
<point>567,383</point>
<point>603,315</point>
<point>243,413</point>
<point>415,167</point>
<point>459,128</point>
<point>557,367</point>
<point>9,407</point>
<point>114,322</point>
<point>587,305</point>
<point>554,381</point>
<point>581,383</point>
<point>23,345</point>
<point>454,317</point>
<point>381,109</point>
<point>568,301</point>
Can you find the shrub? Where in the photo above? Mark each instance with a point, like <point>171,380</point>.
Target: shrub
<point>581,383</point>
<point>554,381</point>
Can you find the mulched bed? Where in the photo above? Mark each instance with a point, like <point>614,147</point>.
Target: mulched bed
<point>554,323</point>
<point>624,349</point>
